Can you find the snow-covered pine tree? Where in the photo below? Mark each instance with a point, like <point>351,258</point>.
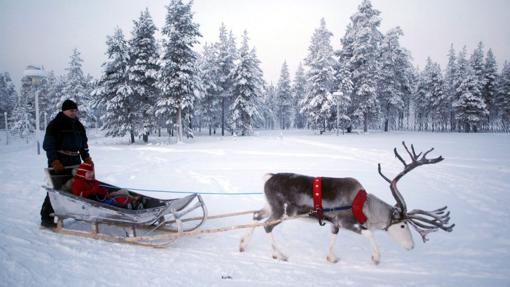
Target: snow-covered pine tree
<point>142,72</point>
<point>8,97</point>
<point>178,76</point>
<point>343,97</point>
<point>22,121</point>
<point>394,81</point>
<point>319,102</point>
<point>439,111</point>
<point>210,104</point>
<point>298,94</point>
<point>477,64</point>
<point>56,94</point>
<point>268,106</point>
<point>113,93</point>
<point>247,90</point>
<point>469,107</point>
<point>284,98</point>
<point>431,101</point>
<point>360,50</point>
<point>450,82</point>
<point>76,87</point>
<point>489,89</point>
<point>227,54</point>
<point>503,96</point>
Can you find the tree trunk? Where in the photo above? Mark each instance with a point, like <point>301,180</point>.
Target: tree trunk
<point>386,125</point>
<point>365,122</point>
<point>223,116</point>
<point>132,136</point>
<point>179,124</point>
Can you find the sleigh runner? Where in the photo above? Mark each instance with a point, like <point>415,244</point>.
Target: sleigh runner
<point>139,225</point>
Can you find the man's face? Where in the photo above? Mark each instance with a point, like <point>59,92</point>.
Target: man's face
<point>72,113</point>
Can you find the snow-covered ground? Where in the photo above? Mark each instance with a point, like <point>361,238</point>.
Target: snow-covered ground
<point>473,180</point>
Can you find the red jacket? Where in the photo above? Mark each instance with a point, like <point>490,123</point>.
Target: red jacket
<point>84,183</point>
<point>88,188</point>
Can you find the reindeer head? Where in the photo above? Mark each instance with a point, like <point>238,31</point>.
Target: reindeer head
<point>422,221</point>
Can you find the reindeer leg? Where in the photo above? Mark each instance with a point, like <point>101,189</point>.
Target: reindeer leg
<point>376,255</point>
<point>246,238</point>
<point>331,255</point>
<point>277,254</point>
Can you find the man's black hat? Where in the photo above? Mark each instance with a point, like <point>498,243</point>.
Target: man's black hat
<point>69,105</point>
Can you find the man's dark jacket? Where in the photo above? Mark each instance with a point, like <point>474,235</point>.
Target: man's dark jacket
<point>65,134</point>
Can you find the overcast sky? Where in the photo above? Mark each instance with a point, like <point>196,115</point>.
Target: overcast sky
<point>45,32</point>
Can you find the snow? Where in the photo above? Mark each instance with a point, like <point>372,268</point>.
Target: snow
<point>473,180</point>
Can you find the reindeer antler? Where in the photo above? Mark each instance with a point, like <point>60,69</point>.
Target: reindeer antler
<point>423,221</point>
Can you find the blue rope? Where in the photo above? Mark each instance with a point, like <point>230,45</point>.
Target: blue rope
<point>337,208</point>
<point>186,192</point>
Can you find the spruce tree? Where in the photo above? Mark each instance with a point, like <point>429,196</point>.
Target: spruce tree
<point>113,92</point>
<point>142,72</point>
<point>489,89</point>
<point>298,94</point>
<point>319,102</point>
<point>477,65</point>
<point>342,95</point>
<point>247,90</point>
<point>394,81</point>
<point>450,82</point>
<point>209,107</point>
<point>503,96</point>
<point>76,87</point>
<point>178,75</point>
<point>361,53</point>
<point>227,55</point>
<point>470,108</point>
<point>8,97</point>
<point>284,98</point>
<point>268,106</point>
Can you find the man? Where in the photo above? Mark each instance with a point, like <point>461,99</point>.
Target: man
<point>65,142</point>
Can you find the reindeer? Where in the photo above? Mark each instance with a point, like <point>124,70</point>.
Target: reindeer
<point>290,195</point>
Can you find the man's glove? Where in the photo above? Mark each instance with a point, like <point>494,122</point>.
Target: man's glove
<point>88,160</point>
<point>57,166</point>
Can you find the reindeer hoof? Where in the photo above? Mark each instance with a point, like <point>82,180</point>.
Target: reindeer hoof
<point>332,259</point>
<point>280,257</point>
<point>376,261</point>
<point>241,249</point>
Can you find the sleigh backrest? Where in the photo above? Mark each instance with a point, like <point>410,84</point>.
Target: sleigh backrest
<point>57,180</point>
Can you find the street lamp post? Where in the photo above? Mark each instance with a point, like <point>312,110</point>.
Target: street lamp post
<point>36,74</point>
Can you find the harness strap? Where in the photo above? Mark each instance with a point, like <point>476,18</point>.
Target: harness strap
<point>317,199</point>
<point>357,206</point>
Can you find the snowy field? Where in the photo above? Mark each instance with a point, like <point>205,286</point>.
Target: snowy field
<point>473,180</point>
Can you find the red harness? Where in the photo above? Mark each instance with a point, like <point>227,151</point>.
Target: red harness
<point>317,199</point>
<point>357,203</point>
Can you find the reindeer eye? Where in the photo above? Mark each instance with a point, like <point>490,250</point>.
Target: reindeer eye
<point>402,226</point>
